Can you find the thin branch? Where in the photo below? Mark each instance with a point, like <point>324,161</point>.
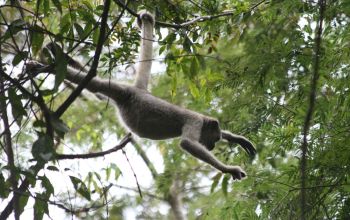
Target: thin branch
<point>93,69</point>
<point>37,99</point>
<point>145,158</point>
<point>46,112</point>
<point>15,45</point>
<point>6,212</point>
<point>274,181</point>
<point>136,190</point>
<point>133,171</point>
<point>189,22</point>
<point>281,105</point>
<point>47,32</point>
<point>60,205</point>
<point>321,186</point>
<point>8,142</point>
<point>120,146</point>
<point>308,118</point>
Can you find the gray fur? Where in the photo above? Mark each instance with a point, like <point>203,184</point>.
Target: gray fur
<point>153,118</point>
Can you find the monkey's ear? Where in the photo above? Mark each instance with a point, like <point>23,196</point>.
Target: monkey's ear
<point>244,142</point>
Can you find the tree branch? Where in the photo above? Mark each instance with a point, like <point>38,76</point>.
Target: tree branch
<point>8,142</point>
<point>37,99</point>
<point>93,69</point>
<point>120,146</point>
<point>145,158</point>
<point>133,171</point>
<point>308,118</point>
<point>189,22</point>
<point>9,208</point>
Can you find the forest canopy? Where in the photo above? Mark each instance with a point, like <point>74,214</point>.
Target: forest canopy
<point>277,72</point>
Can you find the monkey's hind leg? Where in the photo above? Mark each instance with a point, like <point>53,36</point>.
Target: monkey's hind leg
<point>199,151</point>
<point>241,140</point>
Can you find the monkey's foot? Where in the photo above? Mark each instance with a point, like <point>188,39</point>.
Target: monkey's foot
<point>236,172</point>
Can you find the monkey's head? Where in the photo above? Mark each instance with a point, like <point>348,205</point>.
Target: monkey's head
<point>210,133</point>
<point>144,16</point>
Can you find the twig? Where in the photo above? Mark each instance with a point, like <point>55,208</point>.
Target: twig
<point>189,22</point>
<point>133,171</point>
<point>8,142</point>
<point>60,205</point>
<point>120,146</point>
<point>37,99</point>
<point>9,208</point>
<point>145,158</point>
<point>93,69</point>
<point>47,32</point>
<point>308,118</point>
<point>321,186</point>
<point>136,190</point>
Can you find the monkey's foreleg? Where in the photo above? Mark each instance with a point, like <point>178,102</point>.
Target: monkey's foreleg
<point>199,151</point>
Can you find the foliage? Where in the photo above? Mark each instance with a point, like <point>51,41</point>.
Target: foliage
<point>248,63</point>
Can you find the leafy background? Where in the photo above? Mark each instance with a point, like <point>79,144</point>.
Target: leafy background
<point>248,63</point>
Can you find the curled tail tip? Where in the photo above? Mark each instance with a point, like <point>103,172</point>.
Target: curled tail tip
<point>145,16</point>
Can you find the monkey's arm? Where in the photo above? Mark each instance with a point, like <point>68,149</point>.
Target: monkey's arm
<point>199,151</point>
<point>244,142</point>
<point>146,23</point>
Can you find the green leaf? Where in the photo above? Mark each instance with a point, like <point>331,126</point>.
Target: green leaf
<point>15,27</point>
<point>87,30</point>
<point>194,68</point>
<point>46,184</point>
<point>216,179</point>
<point>80,187</point>
<point>38,3</point>
<point>65,23</point>
<point>58,5</point>
<point>224,183</point>
<point>194,90</point>
<point>117,171</point>
<point>18,110</point>
<point>201,62</point>
<point>187,45</point>
<point>3,185</point>
<point>60,67</point>
<point>53,168</point>
<point>195,36</point>
<point>43,148</point>
<point>60,127</point>
<point>23,200</point>
<point>108,173</point>
<point>46,7</point>
<point>86,15</point>
<point>37,39</point>
<point>95,35</point>
<point>161,49</point>
<point>79,30</point>
<point>173,85</point>
<point>88,5</point>
<point>170,39</point>
<point>21,55</point>
<point>39,124</point>
<point>40,207</point>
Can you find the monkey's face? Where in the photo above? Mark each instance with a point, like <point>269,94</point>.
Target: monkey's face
<point>210,133</point>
